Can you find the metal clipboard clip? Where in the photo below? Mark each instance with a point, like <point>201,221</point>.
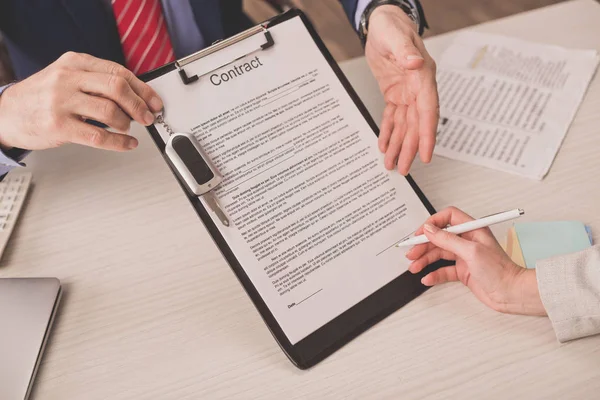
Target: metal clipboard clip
<point>220,45</point>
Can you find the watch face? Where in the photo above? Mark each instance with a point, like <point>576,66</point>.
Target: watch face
<point>192,159</point>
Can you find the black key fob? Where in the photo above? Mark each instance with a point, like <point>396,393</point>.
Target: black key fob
<point>191,162</point>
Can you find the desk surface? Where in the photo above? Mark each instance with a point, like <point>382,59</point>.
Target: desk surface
<point>151,309</point>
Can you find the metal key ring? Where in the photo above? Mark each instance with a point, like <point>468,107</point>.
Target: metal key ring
<point>160,118</point>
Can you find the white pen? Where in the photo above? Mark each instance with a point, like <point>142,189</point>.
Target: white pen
<point>468,226</point>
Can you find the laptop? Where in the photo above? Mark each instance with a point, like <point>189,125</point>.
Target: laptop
<point>27,309</point>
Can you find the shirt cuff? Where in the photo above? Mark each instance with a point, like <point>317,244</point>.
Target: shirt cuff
<point>10,159</point>
<point>3,88</point>
<point>569,287</point>
<point>362,4</point>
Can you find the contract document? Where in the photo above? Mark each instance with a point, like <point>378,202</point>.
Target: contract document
<point>313,213</point>
<point>506,103</point>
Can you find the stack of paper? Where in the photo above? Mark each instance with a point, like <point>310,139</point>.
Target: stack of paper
<point>529,242</point>
<point>506,103</point>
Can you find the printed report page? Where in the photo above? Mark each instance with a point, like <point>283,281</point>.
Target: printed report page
<point>314,214</point>
<point>506,103</point>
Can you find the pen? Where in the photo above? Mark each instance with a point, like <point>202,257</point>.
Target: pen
<point>468,226</point>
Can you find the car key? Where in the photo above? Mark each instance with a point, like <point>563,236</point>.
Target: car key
<point>194,167</point>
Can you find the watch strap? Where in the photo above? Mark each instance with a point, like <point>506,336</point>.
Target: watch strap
<point>414,13</point>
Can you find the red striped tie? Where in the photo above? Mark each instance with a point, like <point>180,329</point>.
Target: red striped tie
<point>144,36</point>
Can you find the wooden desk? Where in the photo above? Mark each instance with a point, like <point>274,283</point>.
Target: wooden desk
<point>152,311</point>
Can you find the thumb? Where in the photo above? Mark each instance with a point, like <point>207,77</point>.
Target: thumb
<point>406,54</point>
<point>447,241</point>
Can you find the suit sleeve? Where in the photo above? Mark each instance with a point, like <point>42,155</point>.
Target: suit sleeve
<point>350,9</point>
<point>570,290</point>
<point>355,8</point>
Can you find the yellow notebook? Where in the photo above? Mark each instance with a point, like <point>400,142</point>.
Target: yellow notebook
<point>513,248</point>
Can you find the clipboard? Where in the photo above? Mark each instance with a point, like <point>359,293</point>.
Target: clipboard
<point>342,329</point>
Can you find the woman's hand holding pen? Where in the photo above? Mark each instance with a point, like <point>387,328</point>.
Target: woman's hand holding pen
<point>481,265</point>
<point>406,76</point>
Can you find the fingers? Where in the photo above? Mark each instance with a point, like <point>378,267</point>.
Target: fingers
<point>448,241</point>
<point>427,103</point>
<point>419,251</point>
<point>89,63</point>
<point>411,141</point>
<point>442,275</point>
<point>118,90</point>
<point>428,111</point>
<point>449,216</point>
<point>444,218</point>
<point>387,124</point>
<point>92,136</point>
<point>142,89</point>
<point>391,155</point>
<point>431,256</point>
<point>101,110</point>
<point>427,137</point>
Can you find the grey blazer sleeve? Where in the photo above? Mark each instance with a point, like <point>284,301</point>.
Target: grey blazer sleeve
<point>570,290</point>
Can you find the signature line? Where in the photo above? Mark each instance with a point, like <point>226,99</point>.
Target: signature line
<point>395,243</point>
<point>308,297</point>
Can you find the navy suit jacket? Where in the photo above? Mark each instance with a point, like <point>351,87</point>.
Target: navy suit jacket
<point>37,32</point>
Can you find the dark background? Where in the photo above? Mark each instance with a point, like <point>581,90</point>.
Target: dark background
<point>333,26</point>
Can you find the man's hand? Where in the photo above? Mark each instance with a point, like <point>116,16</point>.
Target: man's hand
<point>481,265</point>
<point>406,76</point>
<point>49,109</point>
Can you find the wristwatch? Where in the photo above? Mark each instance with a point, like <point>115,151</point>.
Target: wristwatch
<point>414,13</point>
